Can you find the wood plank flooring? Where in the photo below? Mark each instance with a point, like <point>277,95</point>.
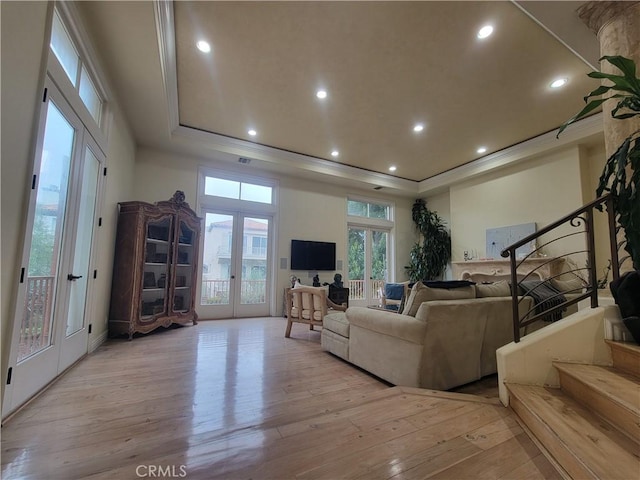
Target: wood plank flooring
<point>234,399</point>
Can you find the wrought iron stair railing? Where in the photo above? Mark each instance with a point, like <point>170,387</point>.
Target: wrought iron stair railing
<point>578,223</point>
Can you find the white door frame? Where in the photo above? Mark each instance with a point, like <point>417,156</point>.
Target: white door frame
<point>35,372</point>
<point>234,309</point>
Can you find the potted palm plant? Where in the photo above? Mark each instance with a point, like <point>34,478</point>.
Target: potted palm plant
<point>430,255</point>
<point>621,177</point>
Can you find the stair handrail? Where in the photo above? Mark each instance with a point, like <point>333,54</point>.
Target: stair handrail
<point>582,214</point>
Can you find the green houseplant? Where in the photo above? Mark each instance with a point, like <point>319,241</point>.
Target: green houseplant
<point>621,174</point>
<point>429,256</point>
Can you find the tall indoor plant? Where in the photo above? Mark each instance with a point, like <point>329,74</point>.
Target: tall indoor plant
<point>430,255</point>
<point>621,174</point>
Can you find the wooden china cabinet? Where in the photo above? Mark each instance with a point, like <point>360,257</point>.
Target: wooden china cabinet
<point>155,266</point>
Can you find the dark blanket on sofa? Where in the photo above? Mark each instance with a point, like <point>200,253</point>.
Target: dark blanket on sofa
<point>544,297</point>
<point>448,284</point>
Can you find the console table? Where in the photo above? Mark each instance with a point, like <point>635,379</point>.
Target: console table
<point>488,270</point>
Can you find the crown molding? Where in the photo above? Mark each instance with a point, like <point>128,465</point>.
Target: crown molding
<point>289,162</point>
<point>510,156</point>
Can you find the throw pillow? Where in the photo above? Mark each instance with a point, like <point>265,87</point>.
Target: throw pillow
<point>394,291</point>
<point>496,289</point>
<point>421,293</point>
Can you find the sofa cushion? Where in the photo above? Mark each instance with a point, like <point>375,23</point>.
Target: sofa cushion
<point>421,293</point>
<point>573,285</point>
<point>496,289</point>
<point>337,322</point>
<point>387,323</point>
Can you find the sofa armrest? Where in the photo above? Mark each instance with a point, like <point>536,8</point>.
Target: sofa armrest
<point>388,323</point>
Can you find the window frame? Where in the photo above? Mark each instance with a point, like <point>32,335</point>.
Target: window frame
<point>246,206</point>
<point>379,224</point>
<point>72,24</point>
<point>371,221</point>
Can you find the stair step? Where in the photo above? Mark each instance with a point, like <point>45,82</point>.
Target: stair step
<point>626,356</point>
<point>584,445</point>
<point>610,393</point>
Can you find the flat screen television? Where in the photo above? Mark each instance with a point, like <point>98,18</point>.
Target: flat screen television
<point>310,255</point>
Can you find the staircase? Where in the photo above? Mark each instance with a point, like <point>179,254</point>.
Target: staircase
<point>590,426</point>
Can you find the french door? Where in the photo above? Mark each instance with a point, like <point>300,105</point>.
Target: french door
<point>368,263</point>
<point>50,327</point>
<point>236,272</point>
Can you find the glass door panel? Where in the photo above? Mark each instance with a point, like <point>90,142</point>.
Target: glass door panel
<point>83,243</point>
<point>46,246</point>
<point>217,266</point>
<point>253,282</point>
<point>379,243</point>
<point>357,287</point>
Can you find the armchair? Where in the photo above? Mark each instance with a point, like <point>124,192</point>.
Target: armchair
<point>308,305</point>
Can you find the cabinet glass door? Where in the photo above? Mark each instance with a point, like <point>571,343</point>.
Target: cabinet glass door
<point>156,268</point>
<point>184,268</point>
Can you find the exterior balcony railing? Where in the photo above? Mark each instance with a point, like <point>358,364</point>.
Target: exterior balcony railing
<point>216,292</point>
<point>35,328</point>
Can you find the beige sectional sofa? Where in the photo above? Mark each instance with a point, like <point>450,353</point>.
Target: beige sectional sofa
<point>442,339</point>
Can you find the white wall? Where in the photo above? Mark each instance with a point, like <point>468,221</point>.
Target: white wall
<point>24,47</point>
<point>119,185</point>
<point>307,210</point>
<point>541,190</point>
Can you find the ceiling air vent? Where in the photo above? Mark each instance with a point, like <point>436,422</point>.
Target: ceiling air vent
<point>245,161</point>
<point>377,188</point>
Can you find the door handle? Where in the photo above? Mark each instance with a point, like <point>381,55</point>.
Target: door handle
<point>232,277</point>
<point>72,278</point>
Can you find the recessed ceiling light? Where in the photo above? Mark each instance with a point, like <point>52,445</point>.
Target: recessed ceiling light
<point>252,132</point>
<point>392,168</point>
<point>485,31</point>
<point>418,127</point>
<point>321,94</point>
<point>203,46</point>
<point>559,82</point>
<point>335,153</point>
<point>481,149</point>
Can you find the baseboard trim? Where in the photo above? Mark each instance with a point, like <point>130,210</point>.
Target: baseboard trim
<point>97,341</point>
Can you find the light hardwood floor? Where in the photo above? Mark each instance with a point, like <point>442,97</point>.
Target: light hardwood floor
<point>234,399</point>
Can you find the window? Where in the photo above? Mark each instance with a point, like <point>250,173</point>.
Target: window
<point>359,208</point>
<point>72,63</point>
<point>259,246</point>
<point>90,96</point>
<point>63,48</point>
<point>220,187</point>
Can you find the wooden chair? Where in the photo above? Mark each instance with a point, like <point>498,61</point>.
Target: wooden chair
<point>308,305</point>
